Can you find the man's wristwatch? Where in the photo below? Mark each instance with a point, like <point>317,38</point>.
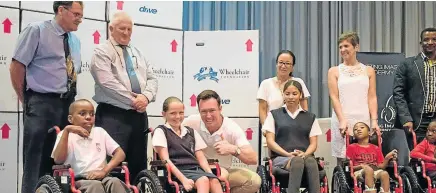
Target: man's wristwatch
<point>238,152</point>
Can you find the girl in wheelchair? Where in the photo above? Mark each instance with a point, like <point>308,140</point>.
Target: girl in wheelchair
<point>368,161</point>
<point>291,135</point>
<point>182,148</point>
<point>426,150</point>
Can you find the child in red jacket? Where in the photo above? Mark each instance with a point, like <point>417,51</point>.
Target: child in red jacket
<point>426,150</point>
<point>368,160</point>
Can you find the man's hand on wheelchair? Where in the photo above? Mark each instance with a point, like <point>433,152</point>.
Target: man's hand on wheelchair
<point>96,175</point>
<point>77,130</point>
<point>188,184</point>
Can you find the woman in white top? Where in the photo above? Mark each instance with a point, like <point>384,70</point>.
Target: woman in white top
<point>352,89</point>
<point>270,95</point>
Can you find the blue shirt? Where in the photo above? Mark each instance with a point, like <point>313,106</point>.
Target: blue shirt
<point>40,48</point>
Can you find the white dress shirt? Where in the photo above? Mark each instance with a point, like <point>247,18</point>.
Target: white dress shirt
<point>112,83</point>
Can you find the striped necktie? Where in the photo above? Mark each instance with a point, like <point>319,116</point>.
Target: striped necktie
<point>134,82</point>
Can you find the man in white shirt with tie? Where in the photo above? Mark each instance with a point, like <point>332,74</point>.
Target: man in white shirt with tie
<point>124,86</point>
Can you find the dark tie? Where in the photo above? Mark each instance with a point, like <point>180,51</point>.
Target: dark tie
<point>71,73</point>
<point>134,82</point>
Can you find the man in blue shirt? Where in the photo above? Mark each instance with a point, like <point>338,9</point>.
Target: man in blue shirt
<point>44,75</point>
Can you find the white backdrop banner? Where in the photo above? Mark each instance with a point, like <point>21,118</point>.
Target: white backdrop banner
<point>91,34</point>
<point>226,62</point>
<point>9,152</point>
<point>324,147</point>
<point>163,50</point>
<point>154,13</point>
<point>91,9</point>
<point>8,35</point>
<point>251,129</point>
<point>10,3</point>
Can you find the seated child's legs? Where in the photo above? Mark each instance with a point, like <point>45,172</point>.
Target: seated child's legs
<point>312,174</point>
<point>90,186</point>
<point>367,173</point>
<point>202,185</point>
<point>383,176</point>
<point>215,185</point>
<point>113,185</point>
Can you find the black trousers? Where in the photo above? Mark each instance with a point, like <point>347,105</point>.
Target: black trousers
<point>421,132</point>
<point>129,129</point>
<point>41,112</point>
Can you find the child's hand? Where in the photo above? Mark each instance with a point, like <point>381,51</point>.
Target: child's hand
<point>292,154</point>
<point>77,130</point>
<point>96,175</point>
<point>299,153</point>
<point>188,184</point>
<point>392,154</point>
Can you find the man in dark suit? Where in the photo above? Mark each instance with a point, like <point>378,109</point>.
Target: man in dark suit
<point>415,89</point>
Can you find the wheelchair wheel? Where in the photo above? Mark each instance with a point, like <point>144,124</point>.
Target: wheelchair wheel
<point>148,182</point>
<point>411,178</point>
<point>262,173</point>
<point>339,182</point>
<point>47,184</point>
<point>407,188</point>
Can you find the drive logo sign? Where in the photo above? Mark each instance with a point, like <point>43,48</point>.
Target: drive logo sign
<point>145,9</point>
<point>193,100</point>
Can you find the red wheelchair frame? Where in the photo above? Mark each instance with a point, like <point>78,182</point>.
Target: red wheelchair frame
<point>59,170</point>
<point>356,187</point>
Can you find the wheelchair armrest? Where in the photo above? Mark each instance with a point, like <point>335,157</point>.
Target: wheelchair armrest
<point>265,159</point>
<point>158,163</point>
<point>80,177</point>
<point>124,168</point>
<point>415,161</point>
<point>320,161</point>
<point>61,167</point>
<point>396,173</point>
<point>212,161</point>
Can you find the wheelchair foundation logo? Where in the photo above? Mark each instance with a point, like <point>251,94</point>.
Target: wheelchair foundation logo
<point>206,73</point>
<point>223,73</point>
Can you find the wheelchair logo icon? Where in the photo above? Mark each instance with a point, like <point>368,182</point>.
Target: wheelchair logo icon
<point>206,72</point>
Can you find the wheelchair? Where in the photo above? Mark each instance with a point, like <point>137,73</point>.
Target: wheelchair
<point>424,183</point>
<point>344,180</point>
<point>275,180</point>
<point>159,178</point>
<point>64,180</point>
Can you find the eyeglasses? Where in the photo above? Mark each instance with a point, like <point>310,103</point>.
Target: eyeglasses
<point>432,131</point>
<point>77,15</point>
<point>285,63</point>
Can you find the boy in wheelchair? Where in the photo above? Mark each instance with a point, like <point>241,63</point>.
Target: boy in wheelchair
<point>85,148</point>
<point>181,147</point>
<point>368,161</point>
<point>426,150</point>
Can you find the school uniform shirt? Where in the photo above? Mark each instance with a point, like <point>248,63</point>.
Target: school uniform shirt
<point>425,151</point>
<point>159,139</point>
<point>231,131</point>
<point>269,124</point>
<point>87,154</point>
<point>271,93</point>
